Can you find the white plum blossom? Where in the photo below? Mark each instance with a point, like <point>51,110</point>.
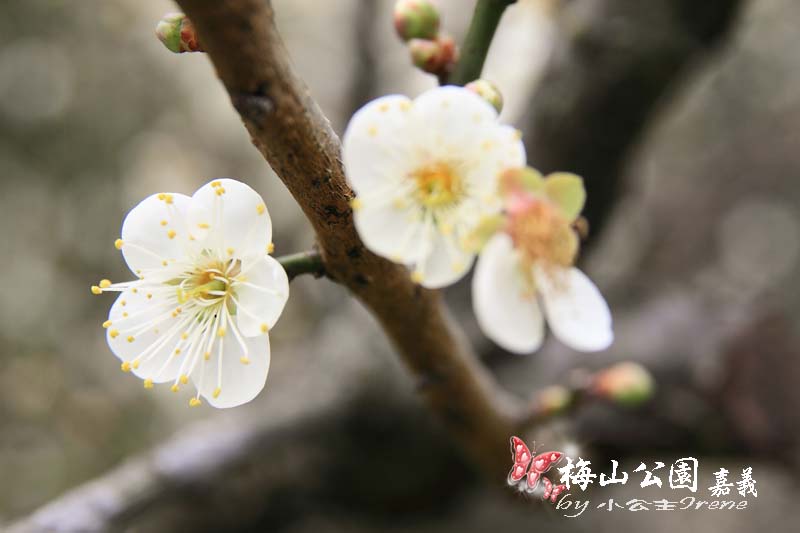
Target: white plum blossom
<point>207,293</point>
<point>525,271</point>
<point>425,175</point>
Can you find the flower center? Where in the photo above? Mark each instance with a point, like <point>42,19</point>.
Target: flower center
<point>543,235</point>
<point>209,283</point>
<point>438,185</point>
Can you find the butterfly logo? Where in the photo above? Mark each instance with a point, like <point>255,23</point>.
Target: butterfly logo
<point>533,468</point>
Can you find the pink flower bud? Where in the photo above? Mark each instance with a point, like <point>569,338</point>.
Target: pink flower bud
<point>435,57</point>
<point>177,33</point>
<point>416,19</point>
<point>488,91</point>
<point>625,383</point>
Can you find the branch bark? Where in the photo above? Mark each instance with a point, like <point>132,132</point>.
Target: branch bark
<point>293,135</point>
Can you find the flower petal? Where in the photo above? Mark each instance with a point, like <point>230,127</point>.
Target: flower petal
<point>376,143</point>
<point>576,311</point>
<point>448,118</point>
<point>155,231</point>
<point>239,382</point>
<point>388,231</point>
<point>566,191</point>
<point>497,148</point>
<point>504,312</point>
<point>230,217</point>
<point>128,316</point>
<point>261,297</point>
<point>444,263</point>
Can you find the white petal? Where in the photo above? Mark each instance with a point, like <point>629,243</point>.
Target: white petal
<point>445,263</point>
<point>240,382</point>
<point>261,306</point>
<point>235,223</point>
<point>388,231</point>
<point>155,231</point>
<point>376,144</point>
<point>505,313</point>
<point>576,311</point>
<point>160,366</point>
<point>496,149</point>
<point>449,118</point>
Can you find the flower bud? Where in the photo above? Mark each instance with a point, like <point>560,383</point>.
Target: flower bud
<point>553,400</point>
<point>625,383</point>
<point>416,19</point>
<point>177,33</point>
<point>488,91</point>
<point>435,57</point>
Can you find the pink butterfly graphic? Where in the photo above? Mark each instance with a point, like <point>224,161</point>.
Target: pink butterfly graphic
<point>526,465</point>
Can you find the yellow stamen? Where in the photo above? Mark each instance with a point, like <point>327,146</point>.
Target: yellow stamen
<point>135,363</point>
<point>221,332</point>
<point>118,244</point>
<point>104,283</point>
<point>417,276</point>
<point>171,234</point>
<point>203,225</point>
<point>125,367</point>
<point>207,356</point>
<point>184,379</point>
<point>114,333</point>
<point>217,391</point>
<point>148,383</point>
<point>270,248</point>
<point>96,290</point>
<point>130,338</point>
<point>174,388</point>
<point>244,360</point>
<point>107,324</point>
<point>264,328</point>
<point>356,204</point>
<point>260,209</point>
<point>194,402</point>
<point>163,222</point>
<point>216,184</point>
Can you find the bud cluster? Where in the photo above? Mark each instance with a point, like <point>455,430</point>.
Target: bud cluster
<point>417,23</point>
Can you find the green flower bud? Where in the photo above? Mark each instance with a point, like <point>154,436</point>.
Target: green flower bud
<point>435,57</point>
<point>177,33</point>
<point>488,91</point>
<point>416,19</point>
<point>625,383</point>
<point>554,399</point>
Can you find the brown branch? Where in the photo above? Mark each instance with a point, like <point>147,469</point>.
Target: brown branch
<point>289,129</point>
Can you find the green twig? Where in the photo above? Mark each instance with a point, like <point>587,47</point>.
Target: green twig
<point>309,262</point>
<point>479,37</point>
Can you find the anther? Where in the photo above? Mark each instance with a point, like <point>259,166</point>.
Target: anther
<point>125,366</point>
<point>171,234</point>
<point>270,248</point>
<point>113,333</point>
<point>130,338</point>
<point>174,388</point>
<point>107,324</point>
<point>104,283</point>
<point>221,332</point>
<point>416,276</point>
<point>356,204</point>
<point>194,402</point>
<point>244,360</point>
<point>184,379</point>
<point>260,208</point>
<point>163,222</point>
<point>148,383</point>
<point>96,290</point>
<point>217,391</point>
<point>264,328</point>
<point>118,244</point>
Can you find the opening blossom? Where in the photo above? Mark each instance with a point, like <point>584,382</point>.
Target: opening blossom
<point>525,271</point>
<point>207,293</point>
<point>425,173</point>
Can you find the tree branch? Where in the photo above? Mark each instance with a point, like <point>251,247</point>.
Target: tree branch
<point>289,129</point>
<point>478,40</point>
<point>309,262</point>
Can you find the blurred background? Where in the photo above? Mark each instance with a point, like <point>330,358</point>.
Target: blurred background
<point>682,116</point>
